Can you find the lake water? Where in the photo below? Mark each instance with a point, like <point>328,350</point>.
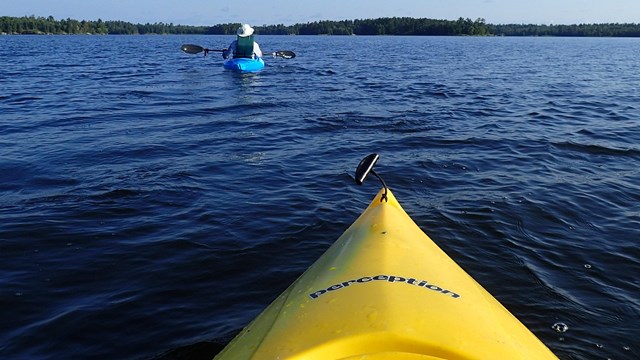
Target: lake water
<point>152,203</point>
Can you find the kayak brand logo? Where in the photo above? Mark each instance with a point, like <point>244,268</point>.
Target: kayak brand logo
<point>389,278</point>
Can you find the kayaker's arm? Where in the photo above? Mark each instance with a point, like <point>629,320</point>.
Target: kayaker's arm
<point>227,53</point>
<point>256,49</point>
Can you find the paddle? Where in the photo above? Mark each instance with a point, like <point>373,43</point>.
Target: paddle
<point>195,49</point>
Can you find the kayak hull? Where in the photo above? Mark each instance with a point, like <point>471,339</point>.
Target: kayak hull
<point>385,290</point>
<point>244,65</point>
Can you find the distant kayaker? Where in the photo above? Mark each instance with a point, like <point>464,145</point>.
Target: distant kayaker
<point>244,46</point>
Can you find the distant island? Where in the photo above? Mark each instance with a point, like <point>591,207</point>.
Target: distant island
<point>380,26</point>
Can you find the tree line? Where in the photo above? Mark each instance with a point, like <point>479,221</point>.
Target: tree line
<point>380,26</point>
<point>592,30</point>
<point>49,25</point>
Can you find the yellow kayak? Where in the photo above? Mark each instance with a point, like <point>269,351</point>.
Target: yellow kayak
<point>385,290</point>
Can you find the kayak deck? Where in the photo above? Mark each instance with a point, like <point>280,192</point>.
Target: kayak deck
<point>385,290</point>
<point>244,65</point>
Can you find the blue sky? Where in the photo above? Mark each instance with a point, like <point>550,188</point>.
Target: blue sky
<point>210,12</point>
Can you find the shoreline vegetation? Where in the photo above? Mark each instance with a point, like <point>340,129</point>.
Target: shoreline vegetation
<point>32,25</point>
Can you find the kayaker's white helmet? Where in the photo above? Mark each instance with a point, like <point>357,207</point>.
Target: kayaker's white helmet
<point>245,30</point>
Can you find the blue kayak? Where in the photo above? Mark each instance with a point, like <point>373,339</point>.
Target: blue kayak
<point>244,64</point>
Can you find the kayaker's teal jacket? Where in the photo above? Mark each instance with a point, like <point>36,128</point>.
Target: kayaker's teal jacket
<point>243,47</point>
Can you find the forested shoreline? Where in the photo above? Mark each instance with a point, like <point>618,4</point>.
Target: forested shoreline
<point>380,26</point>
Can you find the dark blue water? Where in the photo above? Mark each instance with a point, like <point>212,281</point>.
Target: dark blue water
<point>152,203</point>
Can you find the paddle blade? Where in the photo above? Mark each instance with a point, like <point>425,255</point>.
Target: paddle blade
<point>191,49</point>
<point>285,54</point>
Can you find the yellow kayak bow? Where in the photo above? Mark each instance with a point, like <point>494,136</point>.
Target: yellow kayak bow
<point>385,290</point>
